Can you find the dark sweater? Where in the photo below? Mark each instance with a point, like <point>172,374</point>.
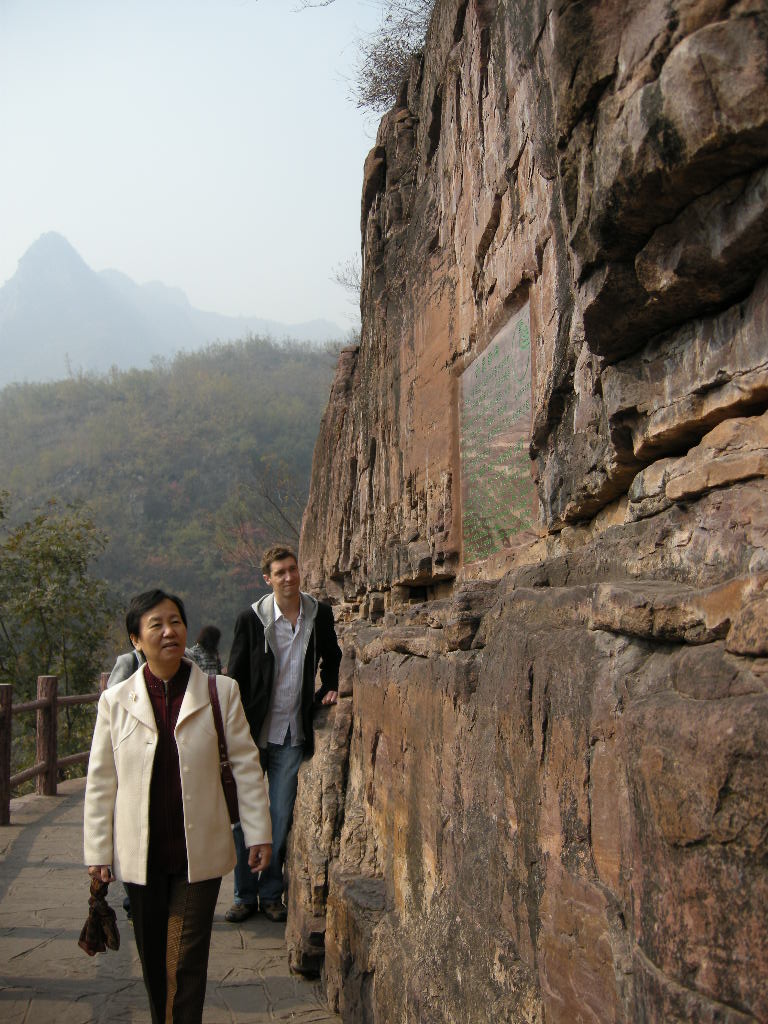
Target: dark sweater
<point>167,845</point>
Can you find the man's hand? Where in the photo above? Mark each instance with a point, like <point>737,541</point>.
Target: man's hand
<point>330,697</point>
<point>259,857</point>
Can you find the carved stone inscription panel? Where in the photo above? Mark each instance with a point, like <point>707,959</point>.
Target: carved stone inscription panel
<point>498,496</point>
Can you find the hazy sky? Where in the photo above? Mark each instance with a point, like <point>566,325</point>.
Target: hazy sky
<point>208,144</point>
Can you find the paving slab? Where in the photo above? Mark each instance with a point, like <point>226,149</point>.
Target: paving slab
<point>45,978</point>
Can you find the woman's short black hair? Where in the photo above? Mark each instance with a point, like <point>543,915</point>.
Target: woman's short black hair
<point>142,603</point>
<point>209,637</point>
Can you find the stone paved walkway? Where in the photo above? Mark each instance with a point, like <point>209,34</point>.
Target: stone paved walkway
<point>45,977</point>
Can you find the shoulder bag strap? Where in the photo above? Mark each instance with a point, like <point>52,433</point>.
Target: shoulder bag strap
<point>227,778</point>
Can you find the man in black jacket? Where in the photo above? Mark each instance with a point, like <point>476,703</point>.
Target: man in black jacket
<point>279,643</point>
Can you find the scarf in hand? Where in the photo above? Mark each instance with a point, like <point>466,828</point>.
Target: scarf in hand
<point>100,929</point>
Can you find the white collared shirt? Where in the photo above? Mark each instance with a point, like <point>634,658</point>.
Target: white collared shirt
<point>285,705</point>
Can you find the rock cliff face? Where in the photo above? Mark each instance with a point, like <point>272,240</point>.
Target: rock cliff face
<point>542,794</point>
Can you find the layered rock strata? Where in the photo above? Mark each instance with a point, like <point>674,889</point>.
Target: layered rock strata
<point>541,796</point>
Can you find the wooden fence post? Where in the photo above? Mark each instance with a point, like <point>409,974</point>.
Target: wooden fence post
<point>47,721</point>
<point>103,679</point>
<point>6,702</point>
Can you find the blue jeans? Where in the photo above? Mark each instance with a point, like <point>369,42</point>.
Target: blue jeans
<point>281,764</point>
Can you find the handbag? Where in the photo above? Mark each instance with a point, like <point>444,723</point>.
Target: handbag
<point>227,778</point>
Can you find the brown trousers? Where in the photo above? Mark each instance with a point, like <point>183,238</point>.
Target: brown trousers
<point>172,922</point>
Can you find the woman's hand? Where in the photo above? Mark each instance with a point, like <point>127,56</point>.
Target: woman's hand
<point>103,871</point>
<point>259,857</point>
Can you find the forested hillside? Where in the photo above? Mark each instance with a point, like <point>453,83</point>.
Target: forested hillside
<point>175,463</point>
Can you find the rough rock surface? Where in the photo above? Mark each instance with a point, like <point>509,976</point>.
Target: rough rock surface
<point>541,797</point>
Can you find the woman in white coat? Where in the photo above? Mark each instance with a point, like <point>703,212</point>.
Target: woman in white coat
<point>155,812</point>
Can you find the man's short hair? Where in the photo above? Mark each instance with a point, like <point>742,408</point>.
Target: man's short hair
<point>276,554</point>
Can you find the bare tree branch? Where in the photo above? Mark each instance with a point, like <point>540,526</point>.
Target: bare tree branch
<point>264,508</point>
<point>384,54</point>
<point>348,275</point>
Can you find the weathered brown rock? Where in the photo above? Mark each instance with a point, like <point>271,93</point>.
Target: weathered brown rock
<point>749,631</point>
<point>707,256</point>
<point>356,907</point>
<point>735,450</point>
<point>673,391</point>
<point>320,809</point>
<point>538,824</point>
<point>695,772</point>
<point>661,145</point>
<point>543,795</point>
<point>669,611</point>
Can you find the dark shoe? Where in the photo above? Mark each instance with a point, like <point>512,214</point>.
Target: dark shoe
<point>239,912</point>
<point>274,911</point>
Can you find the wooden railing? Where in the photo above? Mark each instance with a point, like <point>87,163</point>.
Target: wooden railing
<point>47,765</point>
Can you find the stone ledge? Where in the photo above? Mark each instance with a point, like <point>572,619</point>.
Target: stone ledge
<point>671,612</point>
<point>735,450</point>
<point>677,388</point>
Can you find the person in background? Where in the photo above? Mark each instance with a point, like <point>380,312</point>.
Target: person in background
<point>125,665</point>
<point>205,650</point>
<point>155,813</point>
<point>277,646</point>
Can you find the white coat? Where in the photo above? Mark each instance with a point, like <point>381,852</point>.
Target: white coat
<point>116,825</point>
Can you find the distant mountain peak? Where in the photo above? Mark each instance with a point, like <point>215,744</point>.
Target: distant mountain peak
<point>51,246</point>
<point>57,314</point>
<point>51,255</point>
